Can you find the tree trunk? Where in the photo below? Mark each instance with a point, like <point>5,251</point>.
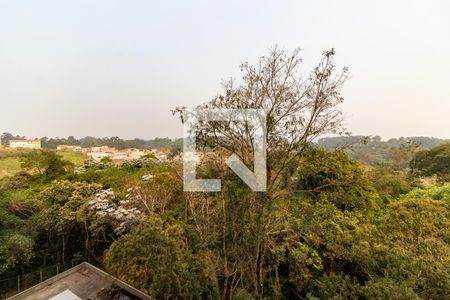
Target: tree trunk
<point>63,248</point>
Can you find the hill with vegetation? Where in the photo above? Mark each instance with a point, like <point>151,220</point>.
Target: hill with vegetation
<point>373,150</point>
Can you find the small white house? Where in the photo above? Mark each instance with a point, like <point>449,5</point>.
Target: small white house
<point>25,144</point>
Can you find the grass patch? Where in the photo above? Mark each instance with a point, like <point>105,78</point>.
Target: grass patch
<point>10,164</point>
<point>77,158</point>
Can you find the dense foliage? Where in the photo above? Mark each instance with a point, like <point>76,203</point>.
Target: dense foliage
<point>435,161</point>
<point>328,227</point>
<point>346,231</point>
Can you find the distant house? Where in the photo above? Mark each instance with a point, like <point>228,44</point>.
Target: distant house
<point>119,156</point>
<point>159,154</point>
<point>98,153</point>
<point>83,281</point>
<point>104,149</point>
<point>135,153</point>
<point>98,156</point>
<point>68,148</point>
<point>25,144</point>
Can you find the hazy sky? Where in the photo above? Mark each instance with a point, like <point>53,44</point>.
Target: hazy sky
<point>106,68</point>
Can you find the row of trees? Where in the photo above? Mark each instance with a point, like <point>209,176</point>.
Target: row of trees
<point>89,141</point>
<point>377,142</point>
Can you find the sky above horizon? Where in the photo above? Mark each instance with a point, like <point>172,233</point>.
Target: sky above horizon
<point>117,68</point>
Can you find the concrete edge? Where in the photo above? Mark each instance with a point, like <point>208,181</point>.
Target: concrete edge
<point>76,268</point>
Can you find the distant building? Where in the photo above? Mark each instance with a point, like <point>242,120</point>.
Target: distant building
<point>119,156</point>
<point>104,149</point>
<point>159,154</point>
<point>98,156</point>
<point>68,148</point>
<point>135,153</point>
<point>25,144</point>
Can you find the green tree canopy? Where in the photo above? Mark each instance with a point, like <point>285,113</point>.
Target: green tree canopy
<point>435,161</point>
<point>45,162</point>
<point>154,259</point>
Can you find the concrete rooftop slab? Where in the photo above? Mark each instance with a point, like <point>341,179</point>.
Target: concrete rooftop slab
<point>85,282</point>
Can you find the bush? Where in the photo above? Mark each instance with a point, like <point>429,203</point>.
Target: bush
<point>431,192</point>
<point>435,161</point>
<point>391,183</point>
<point>153,259</point>
<point>335,177</point>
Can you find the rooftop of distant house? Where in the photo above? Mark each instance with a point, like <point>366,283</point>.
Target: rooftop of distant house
<point>83,281</point>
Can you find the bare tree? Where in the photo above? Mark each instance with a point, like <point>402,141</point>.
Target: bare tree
<point>297,111</point>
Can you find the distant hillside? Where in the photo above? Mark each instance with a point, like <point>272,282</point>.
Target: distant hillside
<point>373,150</point>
